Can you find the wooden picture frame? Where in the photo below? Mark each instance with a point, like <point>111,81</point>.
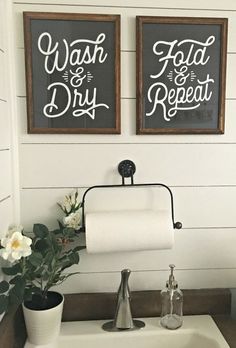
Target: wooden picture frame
<point>181,72</point>
<point>72,72</point>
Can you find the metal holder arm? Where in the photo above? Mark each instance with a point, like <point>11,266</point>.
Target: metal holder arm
<point>127,169</point>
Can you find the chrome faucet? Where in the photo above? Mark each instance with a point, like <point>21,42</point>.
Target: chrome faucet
<point>123,316</point>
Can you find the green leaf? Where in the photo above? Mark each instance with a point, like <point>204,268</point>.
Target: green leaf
<point>40,230</point>
<point>57,232</point>
<point>55,246</point>
<point>36,259</point>
<point>30,291</point>
<point>61,226</point>
<point>3,303</point>
<point>64,277</point>
<point>45,275</point>
<point>59,205</point>
<point>78,248</point>
<point>38,273</point>
<point>48,258</point>
<point>15,280</point>
<point>69,232</point>
<point>4,286</point>
<point>74,258</point>
<point>76,195</point>
<point>41,246</point>
<point>65,264</point>
<point>16,293</point>
<point>12,270</point>
<point>70,260</point>
<point>28,295</point>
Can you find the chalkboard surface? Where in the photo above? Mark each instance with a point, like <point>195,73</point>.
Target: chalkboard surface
<point>73,72</point>
<point>181,64</point>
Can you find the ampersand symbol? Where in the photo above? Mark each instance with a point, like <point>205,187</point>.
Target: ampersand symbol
<point>181,78</point>
<point>77,79</point>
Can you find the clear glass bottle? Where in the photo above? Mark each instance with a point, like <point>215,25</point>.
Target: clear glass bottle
<point>171,303</point>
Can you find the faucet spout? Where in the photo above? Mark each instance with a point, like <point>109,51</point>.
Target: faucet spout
<point>123,316</point>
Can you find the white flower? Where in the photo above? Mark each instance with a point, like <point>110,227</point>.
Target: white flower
<point>66,205</point>
<point>73,200</point>
<point>70,203</point>
<point>72,220</point>
<point>15,247</point>
<point>73,197</point>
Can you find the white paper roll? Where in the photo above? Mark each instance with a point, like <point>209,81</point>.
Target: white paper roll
<point>108,232</point>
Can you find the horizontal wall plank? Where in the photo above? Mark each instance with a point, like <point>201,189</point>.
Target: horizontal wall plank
<point>201,4</point>
<point>195,207</point>
<point>128,15</point>
<point>44,209</point>
<point>5,173</point>
<point>6,213</point>
<point>128,129</point>
<point>186,254</point>
<point>75,164</point>
<point>208,206</point>
<point>153,280</point>
<point>4,126</point>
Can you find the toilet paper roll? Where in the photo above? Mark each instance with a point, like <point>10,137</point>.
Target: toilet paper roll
<point>128,231</point>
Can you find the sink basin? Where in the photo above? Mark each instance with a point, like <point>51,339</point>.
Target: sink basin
<point>197,331</point>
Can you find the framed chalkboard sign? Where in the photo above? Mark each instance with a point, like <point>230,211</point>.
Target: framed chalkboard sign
<point>72,72</point>
<point>181,70</point>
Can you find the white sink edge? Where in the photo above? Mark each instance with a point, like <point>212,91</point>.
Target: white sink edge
<point>198,324</point>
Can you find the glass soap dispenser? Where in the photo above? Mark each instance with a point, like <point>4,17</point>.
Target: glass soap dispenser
<point>171,303</point>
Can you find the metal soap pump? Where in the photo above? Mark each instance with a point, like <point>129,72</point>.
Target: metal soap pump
<point>171,303</point>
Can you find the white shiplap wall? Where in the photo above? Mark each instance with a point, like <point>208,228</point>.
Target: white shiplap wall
<point>6,172</point>
<point>8,148</point>
<point>200,169</point>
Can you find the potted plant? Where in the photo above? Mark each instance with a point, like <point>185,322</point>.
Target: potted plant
<point>71,208</point>
<point>36,263</point>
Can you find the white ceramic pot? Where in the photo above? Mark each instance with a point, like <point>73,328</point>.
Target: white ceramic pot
<point>43,326</point>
